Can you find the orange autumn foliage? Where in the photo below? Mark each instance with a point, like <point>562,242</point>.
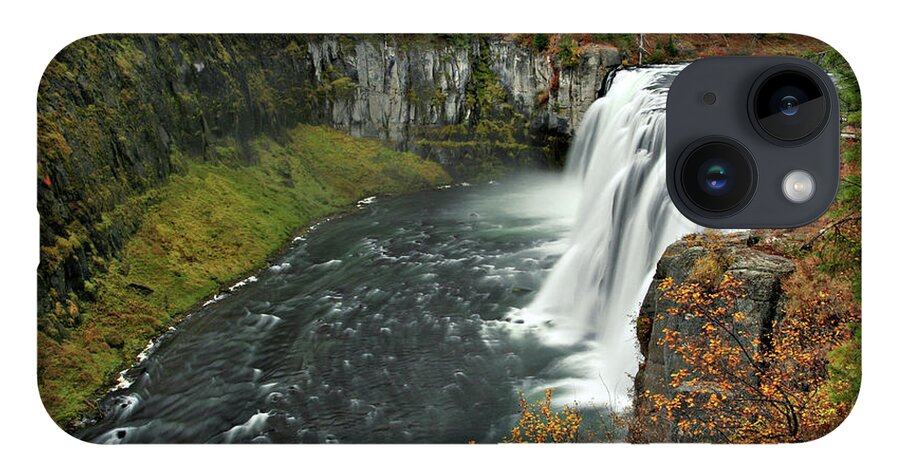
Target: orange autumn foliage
<point>736,388</point>
<point>539,423</point>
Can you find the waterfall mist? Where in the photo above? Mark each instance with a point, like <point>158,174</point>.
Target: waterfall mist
<point>623,224</point>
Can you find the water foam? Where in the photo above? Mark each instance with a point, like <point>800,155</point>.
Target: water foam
<point>623,224</point>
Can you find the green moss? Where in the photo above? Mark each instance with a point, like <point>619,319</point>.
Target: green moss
<point>202,230</point>
<point>294,51</point>
<point>845,369</point>
<point>335,86</point>
<point>438,98</point>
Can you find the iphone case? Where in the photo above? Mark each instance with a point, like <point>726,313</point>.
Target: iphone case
<point>420,238</point>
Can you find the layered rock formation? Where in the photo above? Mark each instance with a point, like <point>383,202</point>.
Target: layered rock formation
<point>761,274</point>
<point>401,87</point>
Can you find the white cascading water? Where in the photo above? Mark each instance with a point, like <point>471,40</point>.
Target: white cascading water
<point>624,222</point>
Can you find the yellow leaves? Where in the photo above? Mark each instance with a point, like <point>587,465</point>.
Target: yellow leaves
<point>714,401</point>
<point>666,284</point>
<point>539,423</point>
<point>740,385</point>
<point>670,338</point>
<point>677,377</point>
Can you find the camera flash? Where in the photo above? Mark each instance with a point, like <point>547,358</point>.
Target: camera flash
<point>798,186</point>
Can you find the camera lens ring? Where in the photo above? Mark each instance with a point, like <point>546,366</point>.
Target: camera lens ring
<point>806,116</point>
<point>715,177</point>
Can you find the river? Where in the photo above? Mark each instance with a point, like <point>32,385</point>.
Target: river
<point>420,318</point>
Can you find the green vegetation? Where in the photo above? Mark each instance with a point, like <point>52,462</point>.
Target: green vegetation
<point>457,40</point>
<point>335,86</point>
<point>132,129</point>
<point>205,228</point>
<point>845,369</point>
<point>839,246</point>
<point>111,108</point>
<point>540,42</point>
<point>848,86</point>
<point>143,138</point>
<point>485,96</point>
<point>493,138</point>
<point>569,52</point>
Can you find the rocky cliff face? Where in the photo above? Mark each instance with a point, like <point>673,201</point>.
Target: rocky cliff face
<point>118,114</point>
<point>471,103</point>
<point>393,88</point>
<point>425,82</point>
<point>571,90</point>
<point>762,275</point>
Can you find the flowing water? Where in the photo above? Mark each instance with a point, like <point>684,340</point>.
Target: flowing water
<point>419,318</point>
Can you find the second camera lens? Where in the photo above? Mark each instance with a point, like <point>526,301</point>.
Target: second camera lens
<point>789,105</point>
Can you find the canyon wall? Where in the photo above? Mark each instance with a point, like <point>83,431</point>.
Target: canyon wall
<point>117,114</point>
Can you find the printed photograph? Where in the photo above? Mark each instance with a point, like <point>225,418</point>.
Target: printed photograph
<point>444,238</point>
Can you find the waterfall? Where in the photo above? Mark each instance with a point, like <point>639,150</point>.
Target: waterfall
<point>623,224</point>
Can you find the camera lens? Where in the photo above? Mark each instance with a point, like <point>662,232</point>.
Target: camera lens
<point>790,104</point>
<point>714,177</point>
<point>717,176</point>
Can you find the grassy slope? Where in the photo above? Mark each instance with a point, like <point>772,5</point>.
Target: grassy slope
<point>205,228</point>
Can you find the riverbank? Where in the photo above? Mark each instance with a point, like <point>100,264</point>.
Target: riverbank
<point>190,245</point>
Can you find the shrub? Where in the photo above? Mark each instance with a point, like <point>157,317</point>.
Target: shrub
<point>539,423</point>
<point>540,41</point>
<point>569,52</point>
<point>739,386</point>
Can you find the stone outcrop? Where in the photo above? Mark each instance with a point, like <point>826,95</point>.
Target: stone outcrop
<point>762,275</point>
